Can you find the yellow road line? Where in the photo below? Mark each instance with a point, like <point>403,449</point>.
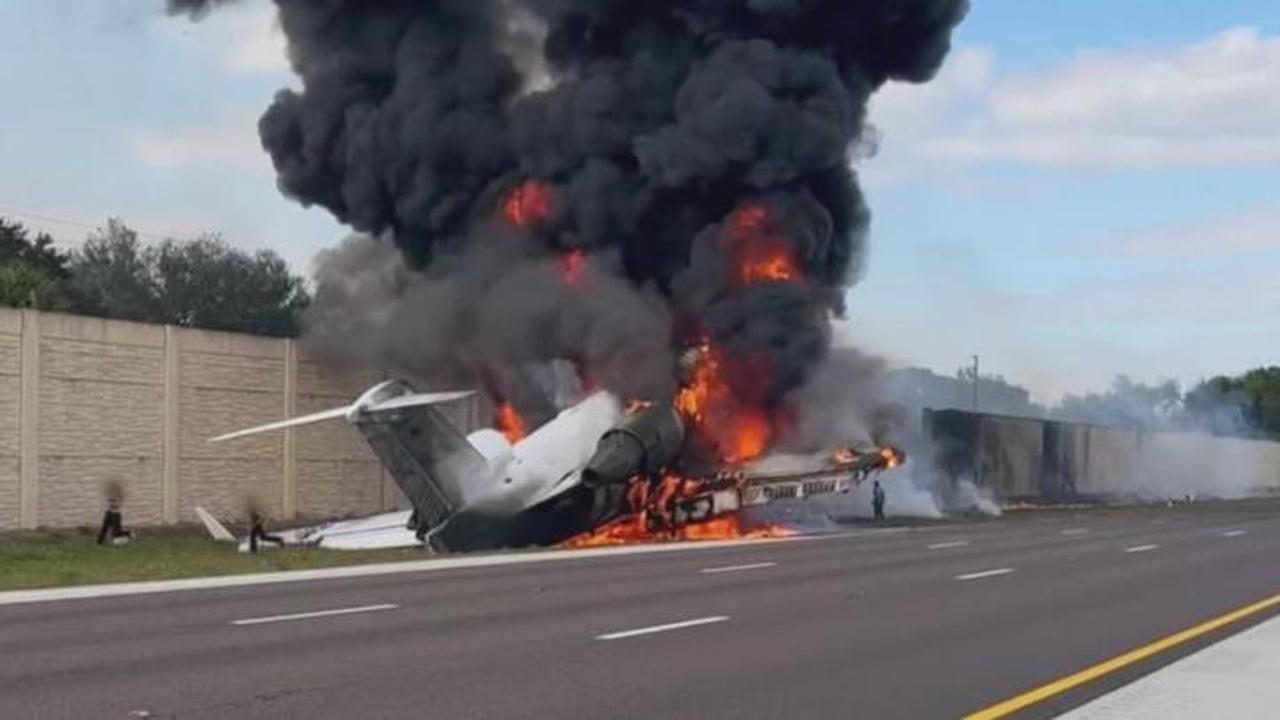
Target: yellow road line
<point>1057,687</point>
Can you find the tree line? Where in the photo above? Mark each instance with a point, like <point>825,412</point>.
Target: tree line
<point>201,282</point>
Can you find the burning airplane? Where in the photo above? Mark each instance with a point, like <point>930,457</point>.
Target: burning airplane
<point>658,193</point>
<point>596,474</point>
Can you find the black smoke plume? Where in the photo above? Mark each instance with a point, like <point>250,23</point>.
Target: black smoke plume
<point>655,133</point>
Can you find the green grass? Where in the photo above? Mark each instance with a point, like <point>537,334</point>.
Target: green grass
<point>70,557</point>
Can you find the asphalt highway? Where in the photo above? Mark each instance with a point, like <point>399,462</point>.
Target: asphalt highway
<point>900,623</point>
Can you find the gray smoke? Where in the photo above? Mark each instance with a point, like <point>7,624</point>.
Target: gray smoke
<point>650,124</point>
<point>493,316</point>
<point>841,404</point>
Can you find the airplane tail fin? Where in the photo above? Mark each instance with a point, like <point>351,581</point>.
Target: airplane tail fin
<point>435,466</point>
<point>429,458</point>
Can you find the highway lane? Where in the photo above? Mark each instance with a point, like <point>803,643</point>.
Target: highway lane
<point>873,624</point>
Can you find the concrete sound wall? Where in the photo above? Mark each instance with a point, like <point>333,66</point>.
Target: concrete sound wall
<point>10,419</point>
<point>86,401</point>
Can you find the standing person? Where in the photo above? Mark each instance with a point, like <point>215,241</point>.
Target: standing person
<point>259,533</point>
<point>113,523</point>
<point>877,500</point>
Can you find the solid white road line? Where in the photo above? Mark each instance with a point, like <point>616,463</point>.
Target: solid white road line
<point>663,628</point>
<point>736,568</point>
<point>317,614</point>
<point>1233,533</point>
<point>1141,548</point>
<point>984,574</point>
<point>945,545</point>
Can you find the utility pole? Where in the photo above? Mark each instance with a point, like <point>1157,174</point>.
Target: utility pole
<point>975,383</point>
<point>980,457</point>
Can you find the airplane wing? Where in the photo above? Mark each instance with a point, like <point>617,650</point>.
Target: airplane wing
<point>216,529</point>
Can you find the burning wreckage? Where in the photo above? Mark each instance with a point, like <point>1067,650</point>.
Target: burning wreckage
<point>624,186</point>
<point>556,485</point>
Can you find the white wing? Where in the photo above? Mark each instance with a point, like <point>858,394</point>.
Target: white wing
<point>215,528</point>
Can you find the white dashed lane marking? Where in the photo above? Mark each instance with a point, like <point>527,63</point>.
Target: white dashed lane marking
<point>663,628</point>
<point>1076,531</point>
<point>1142,548</point>
<point>316,614</point>
<point>737,568</point>
<point>984,574</point>
<point>946,545</point>
<point>1233,533</point>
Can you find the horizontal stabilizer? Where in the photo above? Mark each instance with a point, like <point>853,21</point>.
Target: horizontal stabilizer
<point>398,402</point>
<point>333,414</point>
<point>418,400</point>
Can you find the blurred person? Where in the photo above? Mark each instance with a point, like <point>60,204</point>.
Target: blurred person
<point>877,500</point>
<point>258,533</point>
<point>113,523</point>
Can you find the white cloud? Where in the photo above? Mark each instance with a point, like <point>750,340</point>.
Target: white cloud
<point>1210,104</point>
<point>240,39</point>
<point>1105,150</point>
<point>1253,231</point>
<point>907,115</point>
<point>1229,83</point>
<point>909,109</point>
<point>229,144</point>
<point>259,46</point>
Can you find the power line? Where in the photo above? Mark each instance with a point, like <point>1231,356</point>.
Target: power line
<point>28,215</point>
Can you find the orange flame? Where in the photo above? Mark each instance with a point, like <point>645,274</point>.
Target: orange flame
<point>738,432</point>
<point>634,529</point>
<point>508,422</point>
<point>886,458</point>
<point>704,380</point>
<point>748,219</point>
<point>892,458</point>
<point>528,204</point>
<point>571,266</point>
<point>748,437</point>
<point>775,266</point>
<point>760,256</point>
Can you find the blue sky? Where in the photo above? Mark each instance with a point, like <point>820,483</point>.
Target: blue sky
<point>1088,188</point>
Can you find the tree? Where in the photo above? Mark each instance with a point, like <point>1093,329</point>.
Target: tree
<point>17,245</point>
<point>917,387</point>
<point>112,276</point>
<point>1262,387</point>
<point>23,285</point>
<point>1127,404</point>
<point>33,273</point>
<point>201,283</point>
<point>1247,404</point>
<point>206,283</point>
